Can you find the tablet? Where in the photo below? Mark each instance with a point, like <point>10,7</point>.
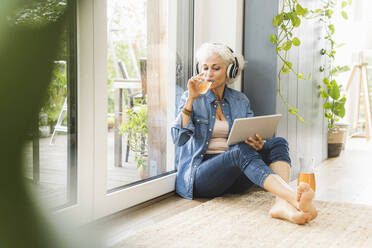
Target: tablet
<point>244,128</point>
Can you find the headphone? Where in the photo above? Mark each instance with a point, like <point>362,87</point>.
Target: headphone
<point>232,69</point>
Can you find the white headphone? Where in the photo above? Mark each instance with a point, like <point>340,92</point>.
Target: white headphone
<point>232,69</point>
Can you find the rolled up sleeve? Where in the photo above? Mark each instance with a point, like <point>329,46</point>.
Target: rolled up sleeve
<point>181,135</point>
<point>249,110</point>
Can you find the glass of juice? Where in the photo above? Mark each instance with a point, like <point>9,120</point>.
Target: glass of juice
<point>203,86</point>
<point>306,174</point>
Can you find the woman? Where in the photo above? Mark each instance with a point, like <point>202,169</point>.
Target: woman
<point>207,166</point>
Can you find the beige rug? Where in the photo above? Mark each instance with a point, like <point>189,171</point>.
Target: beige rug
<point>243,221</point>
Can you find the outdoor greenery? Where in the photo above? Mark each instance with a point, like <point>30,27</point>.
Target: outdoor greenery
<point>290,17</point>
<point>136,128</point>
<point>57,93</point>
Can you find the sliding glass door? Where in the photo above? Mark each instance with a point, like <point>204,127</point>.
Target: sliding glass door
<point>144,51</point>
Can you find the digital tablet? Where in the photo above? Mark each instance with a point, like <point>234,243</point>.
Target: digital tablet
<point>244,128</point>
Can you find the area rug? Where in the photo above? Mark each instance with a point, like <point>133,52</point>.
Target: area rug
<point>243,221</point>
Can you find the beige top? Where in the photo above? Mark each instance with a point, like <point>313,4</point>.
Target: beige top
<point>218,142</point>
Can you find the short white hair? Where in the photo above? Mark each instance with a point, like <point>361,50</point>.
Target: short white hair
<point>208,49</point>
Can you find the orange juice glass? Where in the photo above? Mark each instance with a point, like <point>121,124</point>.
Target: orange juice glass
<point>307,171</point>
<point>203,86</point>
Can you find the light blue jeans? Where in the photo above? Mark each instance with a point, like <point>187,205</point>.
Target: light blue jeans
<point>238,168</point>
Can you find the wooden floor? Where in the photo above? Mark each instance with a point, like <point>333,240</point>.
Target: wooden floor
<point>346,179</point>
<point>53,169</point>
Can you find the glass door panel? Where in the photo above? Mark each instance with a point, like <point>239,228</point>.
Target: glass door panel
<point>49,155</point>
<point>149,48</point>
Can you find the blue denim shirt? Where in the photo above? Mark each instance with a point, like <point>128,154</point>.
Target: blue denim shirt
<point>193,139</point>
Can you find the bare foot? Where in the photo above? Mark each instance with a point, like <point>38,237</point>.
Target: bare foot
<point>305,197</point>
<point>285,211</point>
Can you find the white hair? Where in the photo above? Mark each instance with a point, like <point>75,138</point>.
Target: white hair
<point>207,50</point>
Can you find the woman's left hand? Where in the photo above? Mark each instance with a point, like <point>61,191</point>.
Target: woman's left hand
<point>256,144</point>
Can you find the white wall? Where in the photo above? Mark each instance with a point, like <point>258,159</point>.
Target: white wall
<point>219,21</point>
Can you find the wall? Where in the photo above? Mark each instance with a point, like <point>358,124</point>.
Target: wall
<point>261,69</point>
<point>260,80</point>
<point>219,21</point>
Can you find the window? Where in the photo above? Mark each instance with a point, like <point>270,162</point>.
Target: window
<point>50,154</point>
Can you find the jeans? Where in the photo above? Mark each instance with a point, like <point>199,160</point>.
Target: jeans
<point>238,168</point>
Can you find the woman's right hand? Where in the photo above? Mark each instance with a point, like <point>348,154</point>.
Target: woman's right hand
<point>192,85</point>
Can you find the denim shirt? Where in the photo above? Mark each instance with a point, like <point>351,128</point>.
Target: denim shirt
<point>193,139</point>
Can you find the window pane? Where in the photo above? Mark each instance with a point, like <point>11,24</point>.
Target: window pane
<point>149,47</point>
<point>50,152</point>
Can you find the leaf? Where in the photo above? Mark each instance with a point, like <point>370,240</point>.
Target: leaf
<point>296,41</point>
<point>344,4</point>
<point>287,45</point>
<point>342,99</point>
<point>296,22</point>
<point>285,69</point>
<point>277,20</point>
<point>334,91</point>
<point>332,28</point>
<point>327,105</point>
<point>328,13</point>
<point>344,15</point>
<point>339,109</point>
<point>328,115</point>
<point>301,11</point>
<point>273,38</point>
<point>326,81</point>
<point>300,75</point>
<point>293,111</point>
<point>310,76</point>
<point>324,94</point>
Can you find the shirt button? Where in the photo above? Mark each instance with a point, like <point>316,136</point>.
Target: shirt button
<point>194,165</point>
<point>223,104</point>
<point>228,116</point>
<point>212,116</point>
<point>206,142</point>
<point>201,155</point>
<point>197,120</point>
<point>210,130</point>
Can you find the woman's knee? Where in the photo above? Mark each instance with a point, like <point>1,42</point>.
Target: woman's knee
<point>278,141</point>
<point>278,150</point>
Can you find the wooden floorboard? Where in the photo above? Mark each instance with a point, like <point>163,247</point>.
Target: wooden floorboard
<point>52,186</point>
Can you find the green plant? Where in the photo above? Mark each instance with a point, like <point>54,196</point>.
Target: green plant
<point>334,104</point>
<point>136,128</point>
<point>289,18</point>
<point>57,92</point>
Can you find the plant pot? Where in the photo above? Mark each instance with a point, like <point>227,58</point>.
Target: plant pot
<point>44,131</point>
<point>143,171</point>
<point>336,140</point>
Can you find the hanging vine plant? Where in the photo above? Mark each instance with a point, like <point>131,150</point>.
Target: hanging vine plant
<point>289,18</point>
<point>334,104</point>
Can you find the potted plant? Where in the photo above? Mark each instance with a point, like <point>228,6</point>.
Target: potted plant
<point>334,104</point>
<point>136,129</point>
